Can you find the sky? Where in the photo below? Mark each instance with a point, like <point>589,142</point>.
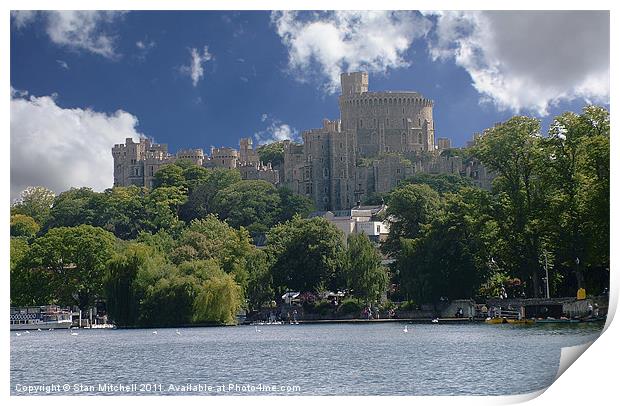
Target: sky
<point>83,81</point>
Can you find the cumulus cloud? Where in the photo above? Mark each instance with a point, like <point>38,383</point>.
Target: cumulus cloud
<point>275,131</point>
<point>61,148</point>
<point>339,41</point>
<point>195,69</point>
<point>528,60</point>
<point>78,30</point>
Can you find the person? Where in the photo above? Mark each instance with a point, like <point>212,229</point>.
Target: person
<point>460,312</point>
<point>295,315</point>
<point>589,309</point>
<point>595,309</point>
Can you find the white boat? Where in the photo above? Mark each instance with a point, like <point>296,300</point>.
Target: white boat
<point>40,317</point>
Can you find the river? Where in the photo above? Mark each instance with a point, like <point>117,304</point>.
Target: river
<point>312,359</point>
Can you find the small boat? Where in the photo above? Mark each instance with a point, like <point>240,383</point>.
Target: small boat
<point>521,321</point>
<point>504,320</point>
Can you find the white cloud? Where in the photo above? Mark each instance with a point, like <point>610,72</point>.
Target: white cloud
<point>528,60</point>
<point>145,44</point>
<point>195,69</point>
<point>61,148</point>
<point>275,131</point>
<point>22,18</point>
<point>62,64</point>
<point>339,41</point>
<point>77,30</point>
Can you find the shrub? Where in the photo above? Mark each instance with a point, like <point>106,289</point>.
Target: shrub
<point>407,306</point>
<point>349,306</point>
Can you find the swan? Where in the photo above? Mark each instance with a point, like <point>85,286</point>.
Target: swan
<point>405,330</point>
<point>178,332</point>
<point>18,334</point>
<point>155,332</point>
<point>435,320</point>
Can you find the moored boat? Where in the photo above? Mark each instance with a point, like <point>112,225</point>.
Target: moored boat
<point>40,317</point>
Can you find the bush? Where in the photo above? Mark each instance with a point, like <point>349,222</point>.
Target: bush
<point>387,305</point>
<point>323,307</point>
<point>349,306</point>
<point>407,306</point>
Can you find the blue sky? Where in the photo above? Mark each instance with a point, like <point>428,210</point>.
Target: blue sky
<point>197,79</point>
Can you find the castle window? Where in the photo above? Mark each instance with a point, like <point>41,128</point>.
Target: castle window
<point>341,145</point>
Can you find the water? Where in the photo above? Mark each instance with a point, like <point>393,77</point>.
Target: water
<point>328,359</point>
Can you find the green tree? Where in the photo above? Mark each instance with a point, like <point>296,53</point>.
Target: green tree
<point>410,208</point>
<point>35,202</point>
<point>211,238</point>
<point>260,281</point>
<point>201,198</point>
<point>169,175</point>
<point>273,152</point>
<point>122,292</point>
<point>514,151</point>
<point>578,174</point>
<point>74,260</point>
<point>74,207</point>
<point>253,204</point>
<point>292,204</point>
<point>441,183</point>
<point>23,226</point>
<point>363,271</point>
<point>219,299</point>
<point>451,256</point>
<point>306,254</point>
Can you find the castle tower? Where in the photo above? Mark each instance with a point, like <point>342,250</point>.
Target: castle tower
<point>385,122</point>
<point>354,83</point>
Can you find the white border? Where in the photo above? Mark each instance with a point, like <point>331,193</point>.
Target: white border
<point>591,381</point>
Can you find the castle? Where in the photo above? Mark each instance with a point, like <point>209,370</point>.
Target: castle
<point>135,163</point>
<point>380,139</point>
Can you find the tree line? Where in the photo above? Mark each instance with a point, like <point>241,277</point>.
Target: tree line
<point>183,252</point>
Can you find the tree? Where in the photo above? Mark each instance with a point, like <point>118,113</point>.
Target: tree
<point>441,183</point>
<point>253,204</point>
<point>305,254</point>
<point>169,301</point>
<point>451,256</point>
<point>363,272</point>
<point>74,260</point>
<point>74,207</point>
<point>35,202</point>
<point>292,204</point>
<point>260,281</point>
<point>578,174</point>
<point>211,238</point>
<point>122,293</point>
<point>23,226</point>
<point>219,300</point>
<point>410,207</point>
<point>514,151</point>
<point>273,153</point>
<point>169,175</point>
<point>202,195</point>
